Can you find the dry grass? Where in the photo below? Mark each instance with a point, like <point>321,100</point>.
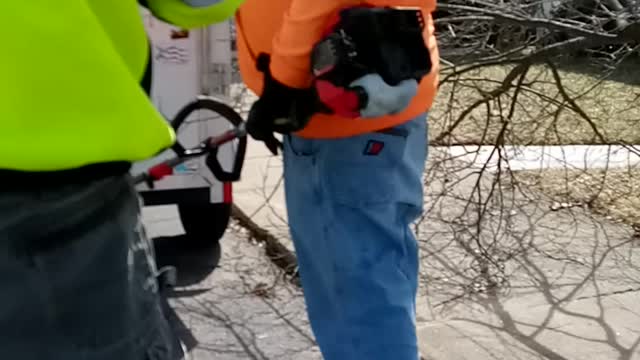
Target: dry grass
<point>614,193</point>
<point>540,115</point>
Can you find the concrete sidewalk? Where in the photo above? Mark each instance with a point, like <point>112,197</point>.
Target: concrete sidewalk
<point>529,157</point>
<point>260,193</point>
<point>580,306</point>
<point>573,292</point>
<point>574,281</point>
<point>242,310</point>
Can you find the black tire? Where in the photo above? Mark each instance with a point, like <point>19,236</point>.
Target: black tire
<point>204,224</point>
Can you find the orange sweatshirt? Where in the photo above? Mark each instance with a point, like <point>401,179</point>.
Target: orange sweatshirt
<point>289,29</point>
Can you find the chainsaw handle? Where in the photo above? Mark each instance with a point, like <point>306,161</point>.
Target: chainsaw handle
<point>227,112</point>
<point>210,145</point>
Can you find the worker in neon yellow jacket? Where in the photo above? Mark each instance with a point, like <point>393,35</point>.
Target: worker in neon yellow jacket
<point>77,276</point>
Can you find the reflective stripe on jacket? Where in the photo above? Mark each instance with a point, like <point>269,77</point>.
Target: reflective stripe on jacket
<point>288,29</point>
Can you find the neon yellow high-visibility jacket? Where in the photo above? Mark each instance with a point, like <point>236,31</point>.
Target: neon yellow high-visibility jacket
<point>70,73</point>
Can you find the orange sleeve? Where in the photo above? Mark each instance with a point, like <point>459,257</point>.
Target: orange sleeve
<point>302,27</point>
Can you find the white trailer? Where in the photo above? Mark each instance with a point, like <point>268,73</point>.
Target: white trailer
<point>187,65</point>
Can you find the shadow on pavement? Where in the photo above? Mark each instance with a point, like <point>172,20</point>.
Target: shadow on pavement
<point>194,263</point>
<point>523,280</point>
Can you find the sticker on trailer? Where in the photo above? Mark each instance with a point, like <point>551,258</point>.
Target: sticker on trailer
<point>189,167</point>
<point>172,54</point>
<point>179,34</point>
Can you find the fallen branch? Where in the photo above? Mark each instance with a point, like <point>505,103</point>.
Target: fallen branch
<point>276,252</point>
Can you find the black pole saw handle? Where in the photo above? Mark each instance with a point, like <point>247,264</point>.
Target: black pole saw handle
<point>208,147</point>
<point>227,112</point>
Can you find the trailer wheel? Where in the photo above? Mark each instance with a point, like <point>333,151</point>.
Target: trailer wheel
<point>204,224</point>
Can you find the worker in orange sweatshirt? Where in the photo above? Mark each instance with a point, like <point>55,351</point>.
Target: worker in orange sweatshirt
<point>353,183</point>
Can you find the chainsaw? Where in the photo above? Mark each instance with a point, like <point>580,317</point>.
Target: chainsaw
<point>367,51</point>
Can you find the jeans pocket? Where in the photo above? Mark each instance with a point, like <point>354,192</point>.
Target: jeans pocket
<point>299,147</point>
<point>300,168</point>
<point>362,170</point>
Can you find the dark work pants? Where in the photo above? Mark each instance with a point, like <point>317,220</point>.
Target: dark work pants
<point>78,275</point>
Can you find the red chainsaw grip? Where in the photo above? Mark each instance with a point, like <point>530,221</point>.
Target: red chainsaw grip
<point>341,101</point>
<point>159,171</point>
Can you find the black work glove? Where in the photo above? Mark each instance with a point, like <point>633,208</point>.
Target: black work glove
<point>280,109</point>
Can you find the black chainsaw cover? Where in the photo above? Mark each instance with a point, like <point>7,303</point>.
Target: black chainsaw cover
<point>367,40</point>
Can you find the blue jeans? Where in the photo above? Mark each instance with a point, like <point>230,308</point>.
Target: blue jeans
<point>350,203</point>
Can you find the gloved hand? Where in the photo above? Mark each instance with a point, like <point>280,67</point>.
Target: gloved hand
<point>280,109</point>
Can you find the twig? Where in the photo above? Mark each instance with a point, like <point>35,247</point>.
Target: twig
<point>276,252</point>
